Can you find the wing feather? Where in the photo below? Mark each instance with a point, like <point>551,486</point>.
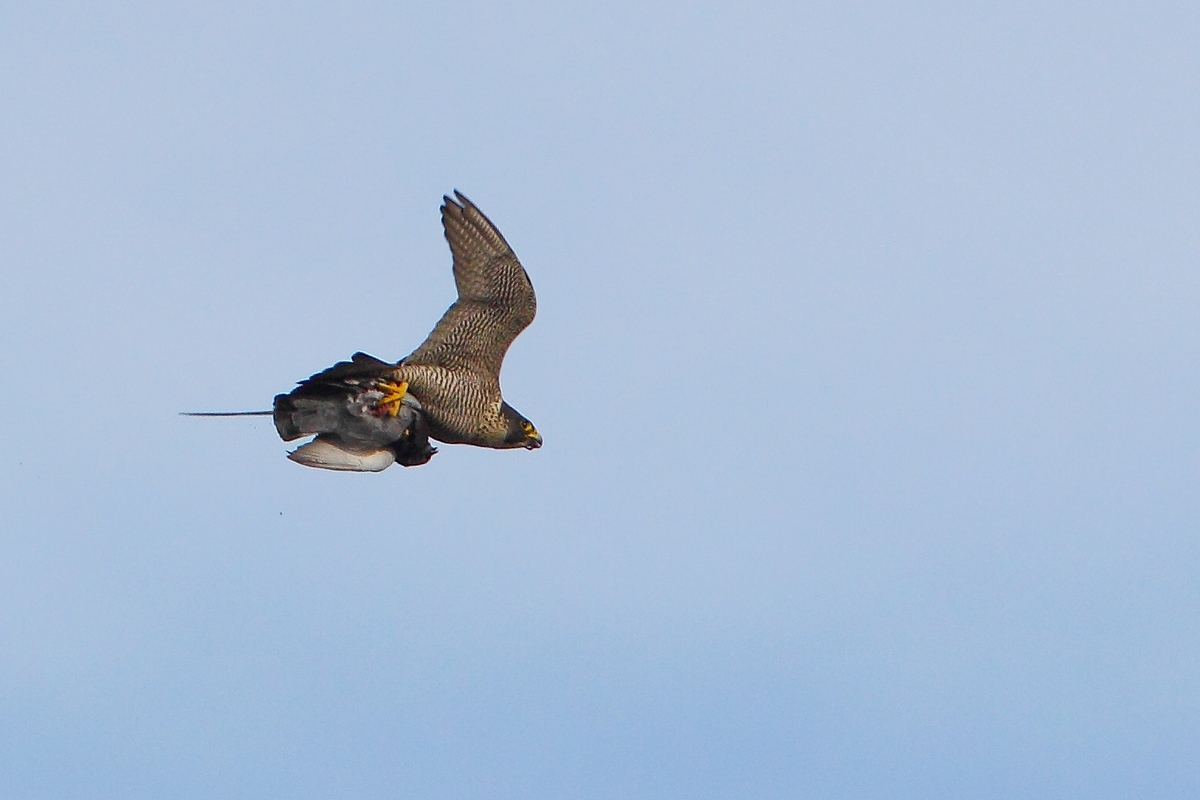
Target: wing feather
<point>495,297</point>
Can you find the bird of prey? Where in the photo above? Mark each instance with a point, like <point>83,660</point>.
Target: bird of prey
<point>367,414</point>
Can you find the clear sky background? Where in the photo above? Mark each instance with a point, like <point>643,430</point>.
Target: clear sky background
<point>866,360</point>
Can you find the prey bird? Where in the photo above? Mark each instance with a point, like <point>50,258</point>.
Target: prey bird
<point>367,414</point>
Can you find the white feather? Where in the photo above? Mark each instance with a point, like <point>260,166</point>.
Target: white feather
<point>324,455</point>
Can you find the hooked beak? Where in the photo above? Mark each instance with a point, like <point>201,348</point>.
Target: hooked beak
<point>533,441</point>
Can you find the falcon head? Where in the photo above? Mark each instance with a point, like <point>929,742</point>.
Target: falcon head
<point>521,432</point>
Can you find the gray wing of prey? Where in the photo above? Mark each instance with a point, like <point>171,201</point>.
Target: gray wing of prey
<point>341,406</point>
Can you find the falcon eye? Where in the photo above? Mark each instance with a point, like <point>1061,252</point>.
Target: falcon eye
<point>527,425</point>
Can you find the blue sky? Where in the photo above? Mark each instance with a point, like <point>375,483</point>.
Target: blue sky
<point>865,359</point>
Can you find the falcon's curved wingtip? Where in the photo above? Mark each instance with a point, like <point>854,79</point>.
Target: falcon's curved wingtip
<point>459,202</point>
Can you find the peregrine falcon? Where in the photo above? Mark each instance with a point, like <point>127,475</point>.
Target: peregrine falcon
<point>368,414</point>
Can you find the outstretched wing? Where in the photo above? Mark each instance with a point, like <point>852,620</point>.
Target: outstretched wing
<point>495,298</point>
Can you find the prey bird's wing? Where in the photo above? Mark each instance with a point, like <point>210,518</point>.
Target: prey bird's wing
<point>495,297</point>
<point>359,366</point>
<point>327,381</point>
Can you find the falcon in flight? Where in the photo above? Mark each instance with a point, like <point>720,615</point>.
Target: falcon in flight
<point>367,414</point>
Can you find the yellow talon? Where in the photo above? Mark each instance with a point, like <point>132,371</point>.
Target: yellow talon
<point>395,393</point>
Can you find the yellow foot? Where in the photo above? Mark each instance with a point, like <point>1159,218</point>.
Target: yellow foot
<point>393,396</point>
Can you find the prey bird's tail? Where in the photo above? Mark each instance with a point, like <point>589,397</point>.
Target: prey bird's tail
<point>226,413</point>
